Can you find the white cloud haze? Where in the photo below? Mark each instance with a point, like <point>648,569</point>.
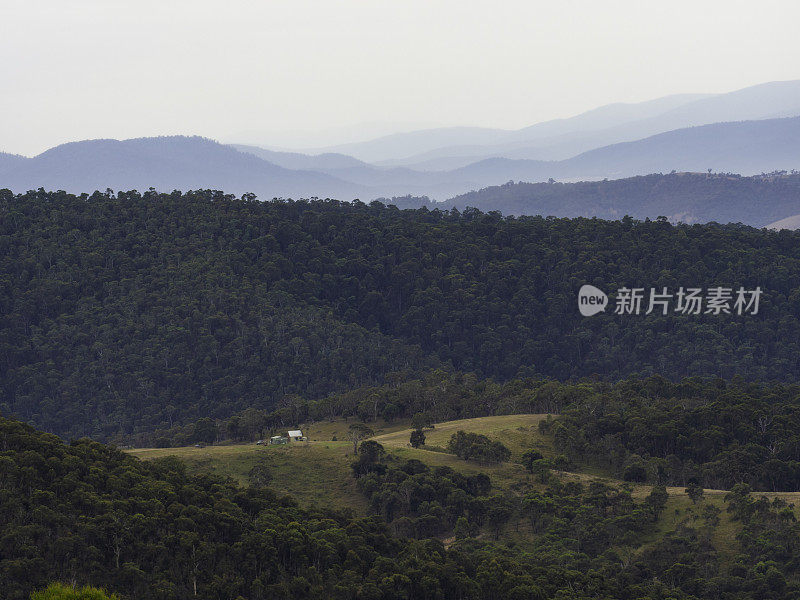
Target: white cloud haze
<point>238,70</point>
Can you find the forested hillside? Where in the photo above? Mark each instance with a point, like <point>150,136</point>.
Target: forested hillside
<point>687,197</point>
<point>85,513</point>
<point>122,314</point>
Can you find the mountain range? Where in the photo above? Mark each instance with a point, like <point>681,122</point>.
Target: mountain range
<point>558,139</point>
<point>747,132</point>
<point>164,163</point>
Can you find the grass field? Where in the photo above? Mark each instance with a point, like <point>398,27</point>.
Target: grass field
<point>325,431</point>
<point>318,472</point>
<point>314,473</point>
<point>517,432</point>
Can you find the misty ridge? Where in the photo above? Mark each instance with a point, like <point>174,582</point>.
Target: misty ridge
<point>748,132</point>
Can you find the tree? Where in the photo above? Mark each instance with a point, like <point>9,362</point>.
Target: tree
<point>740,504</point>
<point>462,529</point>
<point>477,447</point>
<point>711,515</point>
<point>635,472</point>
<point>371,450</point>
<point>417,438</point>
<point>541,468</point>
<point>370,454</point>
<point>656,500</point>
<point>205,431</point>
<point>421,420</point>
<point>499,514</point>
<point>530,457</point>
<point>357,432</point>
<point>695,492</point>
<point>537,506</point>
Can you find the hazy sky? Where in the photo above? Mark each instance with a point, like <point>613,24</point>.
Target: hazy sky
<point>253,71</point>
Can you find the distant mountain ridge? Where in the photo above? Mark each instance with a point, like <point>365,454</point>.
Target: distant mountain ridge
<point>791,222</point>
<point>166,163</point>
<point>8,161</point>
<point>684,197</point>
<point>748,147</point>
<point>185,163</point>
<point>449,148</point>
<point>296,160</point>
<point>404,148</point>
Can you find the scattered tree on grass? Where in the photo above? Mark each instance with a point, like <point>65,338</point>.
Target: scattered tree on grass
<point>370,455</point>
<point>477,447</point>
<point>417,438</point>
<point>357,432</point>
<point>695,492</point>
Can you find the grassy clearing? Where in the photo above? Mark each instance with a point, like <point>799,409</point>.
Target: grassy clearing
<point>325,431</point>
<point>517,432</point>
<point>318,472</point>
<point>314,473</point>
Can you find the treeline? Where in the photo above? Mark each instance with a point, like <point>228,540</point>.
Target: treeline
<point>125,313</point>
<point>716,434</point>
<point>431,397</point>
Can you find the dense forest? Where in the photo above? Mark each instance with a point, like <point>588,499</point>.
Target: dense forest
<point>714,434</point>
<point>125,313</point>
<point>89,514</point>
<point>174,319</point>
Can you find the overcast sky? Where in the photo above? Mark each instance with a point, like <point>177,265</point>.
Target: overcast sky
<point>267,71</point>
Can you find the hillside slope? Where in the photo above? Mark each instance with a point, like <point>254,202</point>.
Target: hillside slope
<point>687,197</point>
<point>130,313</point>
<point>89,514</point>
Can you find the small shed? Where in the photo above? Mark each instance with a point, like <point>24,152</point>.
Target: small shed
<point>276,440</point>
<point>296,435</point>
